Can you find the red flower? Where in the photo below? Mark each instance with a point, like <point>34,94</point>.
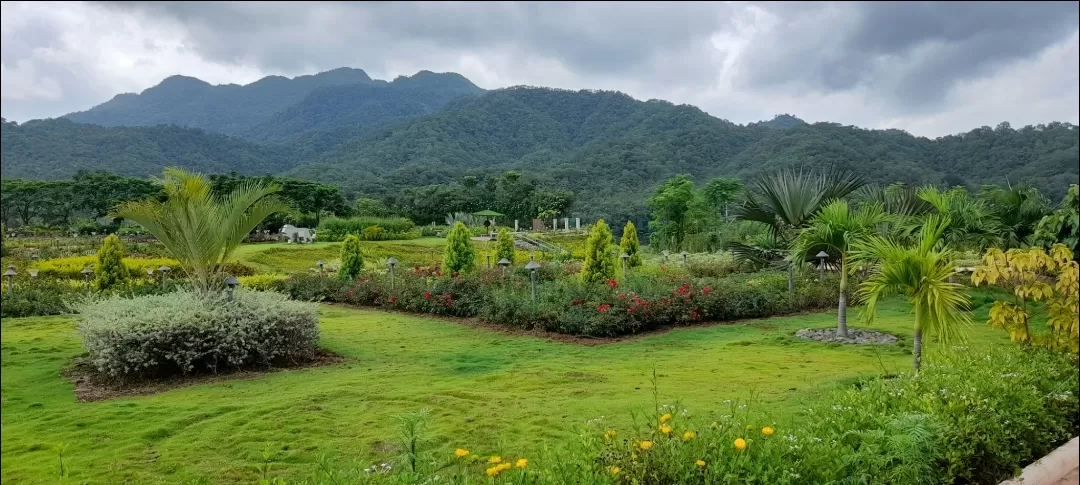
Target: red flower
<point>694,315</point>
<point>427,294</point>
<point>393,299</point>
<point>455,274</point>
<point>612,283</point>
<point>603,308</point>
<point>706,290</point>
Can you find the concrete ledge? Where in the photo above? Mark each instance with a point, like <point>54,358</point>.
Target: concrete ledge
<point>1050,468</point>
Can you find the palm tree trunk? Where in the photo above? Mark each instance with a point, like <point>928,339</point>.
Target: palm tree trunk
<point>918,350</point>
<point>841,308</point>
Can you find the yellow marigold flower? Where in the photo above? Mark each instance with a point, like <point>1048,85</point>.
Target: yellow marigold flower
<point>615,470</point>
<point>461,452</point>
<point>665,429</point>
<point>740,444</point>
<point>645,445</point>
<point>767,431</point>
<point>495,459</point>
<point>689,435</point>
<point>504,466</point>
<point>609,435</point>
<point>700,463</point>
<point>522,463</point>
<point>665,418</point>
<point>493,471</point>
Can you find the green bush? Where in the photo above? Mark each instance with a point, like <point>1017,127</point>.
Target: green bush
<point>630,246</point>
<point>504,244</point>
<point>352,260</point>
<point>460,253</point>
<point>382,229</point>
<point>40,298</point>
<point>110,270</point>
<point>184,332</point>
<point>599,261</point>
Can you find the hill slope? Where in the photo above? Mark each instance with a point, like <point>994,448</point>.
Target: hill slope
<point>57,148</point>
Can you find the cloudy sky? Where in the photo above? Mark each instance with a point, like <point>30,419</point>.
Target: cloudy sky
<point>929,68</point>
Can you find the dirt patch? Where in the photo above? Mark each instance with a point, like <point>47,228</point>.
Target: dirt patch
<point>567,338</point>
<point>91,385</point>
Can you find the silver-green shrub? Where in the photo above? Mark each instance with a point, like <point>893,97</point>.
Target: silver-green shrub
<point>184,332</point>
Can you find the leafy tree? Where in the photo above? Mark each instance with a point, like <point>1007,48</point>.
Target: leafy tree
<point>1062,225</point>
<point>599,262</point>
<point>1026,277</point>
<point>199,229</point>
<point>630,246</point>
<point>671,204</point>
<point>922,273</point>
<point>721,192</point>
<point>352,259</point>
<point>460,254</point>
<point>365,206</point>
<point>110,270</point>
<point>834,229</point>
<point>785,202</point>
<point>504,245</point>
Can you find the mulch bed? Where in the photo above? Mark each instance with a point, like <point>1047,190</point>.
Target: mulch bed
<point>91,385</point>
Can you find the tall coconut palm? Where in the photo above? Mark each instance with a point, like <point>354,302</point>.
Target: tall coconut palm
<point>920,272</point>
<point>201,230</point>
<point>788,199</point>
<point>834,229</point>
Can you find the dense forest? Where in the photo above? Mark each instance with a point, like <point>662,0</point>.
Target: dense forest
<point>402,140</point>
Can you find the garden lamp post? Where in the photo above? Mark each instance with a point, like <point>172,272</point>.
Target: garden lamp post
<point>86,272</point>
<point>35,256</point>
<point>489,260</point>
<point>666,254</point>
<point>684,255</point>
<point>821,256</point>
<point>33,273</point>
<point>321,263</point>
<point>532,266</point>
<point>503,263</point>
<point>10,273</point>
<point>230,285</point>
<point>624,257</point>
<point>392,262</point>
<point>150,273</point>
<point>164,270</point>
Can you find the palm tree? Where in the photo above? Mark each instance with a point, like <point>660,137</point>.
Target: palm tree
<point>787,200</point>
<point>1018,209</point>
<point>200,229</point>
<point>920,272</point>
<point>834,230</point>
<point>972,222</point>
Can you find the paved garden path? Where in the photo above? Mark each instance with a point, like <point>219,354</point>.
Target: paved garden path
<point>1072,478</point>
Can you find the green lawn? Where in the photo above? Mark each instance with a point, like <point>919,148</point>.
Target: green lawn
<point>488,391</point>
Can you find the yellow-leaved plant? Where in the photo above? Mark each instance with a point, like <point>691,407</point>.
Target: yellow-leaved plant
<point>1031,276</point>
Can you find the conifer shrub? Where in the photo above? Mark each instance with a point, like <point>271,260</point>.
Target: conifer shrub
<point>352,259</point>
<point>504,244</point>
<point>599,263</point>
<point>110,270</point>
<point>460,254</point>
<point>630,246</point>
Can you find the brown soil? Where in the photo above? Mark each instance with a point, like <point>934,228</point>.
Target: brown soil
<point>567,338</point>
<point>91,385</point>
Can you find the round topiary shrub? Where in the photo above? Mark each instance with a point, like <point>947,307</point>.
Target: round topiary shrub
<point>186,332</point>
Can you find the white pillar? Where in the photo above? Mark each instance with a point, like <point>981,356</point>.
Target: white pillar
<point>566,223</point>
<point>555,224</point>
<point>577,223</point>
<point>515,225</point>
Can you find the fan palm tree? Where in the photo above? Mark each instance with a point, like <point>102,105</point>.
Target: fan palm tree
<point>972,222</point>
<point>1018,209</point>
<point>200,229</point>
<point>788,199</point>
<point>834,229</point>
<point>920,272</point>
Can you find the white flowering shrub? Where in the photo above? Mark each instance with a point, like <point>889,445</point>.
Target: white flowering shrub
<point>184,332</point>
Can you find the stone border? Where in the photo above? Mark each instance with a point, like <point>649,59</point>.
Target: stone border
<point>1052,467</point>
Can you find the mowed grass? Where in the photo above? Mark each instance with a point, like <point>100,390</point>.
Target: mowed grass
<point>488,391</point>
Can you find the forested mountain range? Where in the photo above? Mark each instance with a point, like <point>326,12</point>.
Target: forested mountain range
<point>382,138</point>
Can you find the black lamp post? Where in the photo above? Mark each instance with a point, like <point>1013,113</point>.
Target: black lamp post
<point>393,263</point>
<point>164,270</point>
<point>624,258</point>
<point>503,263</point>
<point>684,255</point>
<point>822,256</point>
<point>230,285</point>
<point>86,272</point>
<point>10,273</point>
<point>532,267</point>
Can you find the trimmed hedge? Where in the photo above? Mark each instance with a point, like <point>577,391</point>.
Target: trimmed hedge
<point>184,332</point>
<point>368,228</point>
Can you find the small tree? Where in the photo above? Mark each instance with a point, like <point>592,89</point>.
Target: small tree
<point>504,245</point>
<point>352,259</point>
<point>599,261</point>
<point>460,254</point>
<point>1031,276</point>
<point>630,246</point>
<point>110,270</point>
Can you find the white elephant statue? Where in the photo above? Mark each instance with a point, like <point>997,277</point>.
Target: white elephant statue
<point>297,234</point>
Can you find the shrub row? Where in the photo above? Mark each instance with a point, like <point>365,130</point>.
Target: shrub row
<point>368,228</point>
<point>71,267</point>
<point>567,305</point>
<point>184,332</point>
<point>42,297</point>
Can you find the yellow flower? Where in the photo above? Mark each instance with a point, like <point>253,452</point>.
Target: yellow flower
<point>493,471</point>
<point>700,463</point>
<point>615,470</point>
<point>495,459</point>
<point>665,429</point>
<point>767,431</point>
<point>665,418</point>
<point>645,445</point>
<point>522,463</point>
<point>740,444</point>
<point>503,466</point>
<point>461,452</point>
<point>689,435</point>
<point>633,456</point>
<point>609,435</point>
